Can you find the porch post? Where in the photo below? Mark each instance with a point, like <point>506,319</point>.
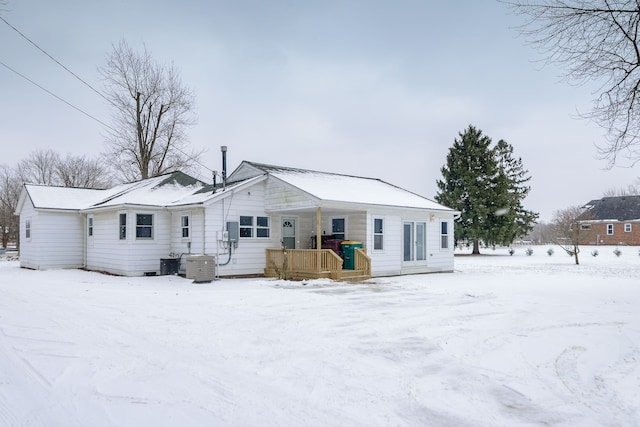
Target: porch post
<point>318,239</point>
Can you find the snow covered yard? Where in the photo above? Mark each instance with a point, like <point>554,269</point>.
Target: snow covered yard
<point>505,340</point>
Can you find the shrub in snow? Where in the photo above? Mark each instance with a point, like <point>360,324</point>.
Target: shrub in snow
<point>617,251</point>
<point>529,251</point>
<point>511,251</point>
<point>550,251</point>
<point>594,252</point>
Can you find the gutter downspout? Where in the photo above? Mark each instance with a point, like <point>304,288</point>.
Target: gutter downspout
<point>204,234</point>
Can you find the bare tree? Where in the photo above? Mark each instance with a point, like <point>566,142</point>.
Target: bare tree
<point>10,187</point>
<point>631,190</point>
<point>594,40</point>
<point>152,110</point>
<point>48,168</point>
<point>81,171</point>
<point>39,168</point>
<point>567,232</point>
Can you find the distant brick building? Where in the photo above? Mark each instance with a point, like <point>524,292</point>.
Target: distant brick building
<point>611,221</point>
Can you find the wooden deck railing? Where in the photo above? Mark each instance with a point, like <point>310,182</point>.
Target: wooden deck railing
<point>362,261</point>
<point>310,260</point>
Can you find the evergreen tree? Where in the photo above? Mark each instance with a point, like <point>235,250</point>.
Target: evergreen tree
<point>469,185</point>
<point>511,220</point>
<point>487,186</point>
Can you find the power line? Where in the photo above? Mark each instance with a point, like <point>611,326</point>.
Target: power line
<point>87,114</point>
<point>83,82</point>
<point>55,96</point>
<point>55,60</point>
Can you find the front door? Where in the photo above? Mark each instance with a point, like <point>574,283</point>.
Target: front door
<point>289,233</point>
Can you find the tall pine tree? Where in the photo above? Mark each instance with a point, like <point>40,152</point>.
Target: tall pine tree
<point>469,185</point>
<point>487,185</point>
<point>512,220</point>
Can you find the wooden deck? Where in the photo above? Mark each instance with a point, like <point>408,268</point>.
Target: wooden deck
<point>299,264</point>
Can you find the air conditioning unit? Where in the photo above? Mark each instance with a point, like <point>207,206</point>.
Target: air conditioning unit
<point>201,268</point>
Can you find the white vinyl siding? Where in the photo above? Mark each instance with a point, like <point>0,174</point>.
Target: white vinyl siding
<point>57,239</point>
<point>129,257</point>
<point>249,257</point>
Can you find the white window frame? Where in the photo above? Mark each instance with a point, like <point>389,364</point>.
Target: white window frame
<point>140,227</point>
<point>122,228</point>
<point>244,228</point>
<point>90,226</point>
<point>609,229</point>
<point>628,227</point>
<point>379,234</point>
<point>344,232</point>
<point>585,227</point>
<point>185,228</point>
<point>255,228</point>
<point>444,235</point>
<point>261,229</point>
<point>27,228</point>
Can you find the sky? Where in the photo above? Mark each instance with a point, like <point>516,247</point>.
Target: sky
<point>372,88</point>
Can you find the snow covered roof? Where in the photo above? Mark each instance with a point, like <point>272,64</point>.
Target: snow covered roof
<point>174,189</point>
<point>162,190</point>
<point>47,197</point>
<point>620,208</point>
<point>178,189</point>
<point>348,188</point>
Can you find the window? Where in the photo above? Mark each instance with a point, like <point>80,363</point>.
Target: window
<point>246,226</point>
<point>627,228</point>
<point>262,226</point>
<point>378,234</point>
<point>123,226</point>
<point>610,229</point>
<point>185,226</point>
<point>585,226</point>
<point>444,235</point>
<point>27,228</point>
<point>337,228</point>
<point>90,226</point>
<point>144,226</point>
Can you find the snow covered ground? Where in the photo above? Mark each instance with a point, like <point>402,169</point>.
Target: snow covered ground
<point>504,341</point>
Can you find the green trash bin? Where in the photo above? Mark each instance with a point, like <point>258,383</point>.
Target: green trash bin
<point>348,254</point>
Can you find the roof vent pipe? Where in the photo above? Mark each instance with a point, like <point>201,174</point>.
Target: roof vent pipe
<point>224,166</point>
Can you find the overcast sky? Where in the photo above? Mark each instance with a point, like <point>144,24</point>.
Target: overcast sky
<point>371,88</point>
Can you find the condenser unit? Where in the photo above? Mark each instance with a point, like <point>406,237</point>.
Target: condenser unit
<point>201,268</point>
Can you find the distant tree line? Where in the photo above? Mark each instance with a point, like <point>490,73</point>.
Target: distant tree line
<point>45,167</point>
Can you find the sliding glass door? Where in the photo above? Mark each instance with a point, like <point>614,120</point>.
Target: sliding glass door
<point>414,241</point>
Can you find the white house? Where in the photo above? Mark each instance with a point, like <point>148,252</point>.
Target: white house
<point>263,215</point>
